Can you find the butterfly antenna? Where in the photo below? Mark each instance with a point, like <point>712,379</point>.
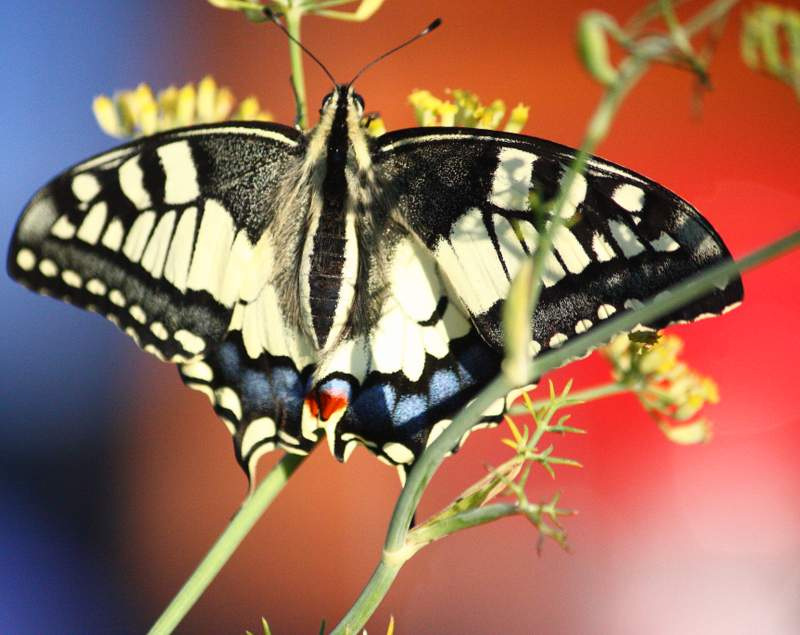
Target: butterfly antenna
<point>270,15</point>
<point>432,26</point>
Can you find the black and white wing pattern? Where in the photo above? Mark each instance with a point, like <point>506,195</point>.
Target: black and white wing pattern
<point>465,194</point>
<point>168,237</point>
<point>191,242</point>
<point>155,235</point>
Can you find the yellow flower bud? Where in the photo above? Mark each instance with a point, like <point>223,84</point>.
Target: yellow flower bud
<point>185,109</point>
<point>688,434</point>
<point>206,99</point>
<point>105,112</point>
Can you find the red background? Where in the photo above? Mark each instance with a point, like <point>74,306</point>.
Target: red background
<point>669,539</point>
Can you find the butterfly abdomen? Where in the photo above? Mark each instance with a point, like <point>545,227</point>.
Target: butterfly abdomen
<point>329,268</point>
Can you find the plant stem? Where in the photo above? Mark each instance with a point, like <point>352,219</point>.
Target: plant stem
<point>250,511</point>
<point>581,396</point>
<point>293,16</point>
<point>375,590</point>
<point>426,534</point>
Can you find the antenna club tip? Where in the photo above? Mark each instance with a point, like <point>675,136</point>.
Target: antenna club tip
<point>434,25</point>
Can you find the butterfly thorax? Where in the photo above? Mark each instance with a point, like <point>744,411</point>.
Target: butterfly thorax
<point>329,264</point>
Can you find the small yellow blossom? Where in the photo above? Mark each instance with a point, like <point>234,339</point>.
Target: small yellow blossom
<point>669,390</point>
<point>465,109</point>
<point>133,113</point>
<point>374,126</point>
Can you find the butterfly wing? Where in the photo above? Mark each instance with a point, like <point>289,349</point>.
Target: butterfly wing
<point>169,238</point>
<point>155,234</point>
<point>466,194</point>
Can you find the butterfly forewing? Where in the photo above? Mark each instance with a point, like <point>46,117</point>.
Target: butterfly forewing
<point>468,195</point>
<point>156,234</point>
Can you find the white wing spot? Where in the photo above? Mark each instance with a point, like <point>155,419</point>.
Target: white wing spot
<point>602,249</point>
<point>436,430</point>
<point>512,179</point>
<point>605,311</point>
<point>156,253</point>
<point>115,232</point>
<point>570,250</point>
<point>533,348</point>
<point>115,297</point>
<point>633,304</point>
<point>176,269</point>
<point>63,228</point>
<point>138,314</point>
<point>26,259</point>
<point>85,187</point>
<point>159,330</point>
<point>96,287</point>
<point>92,225</point>
<point>629,197</point>
<point>228,399</point>
<point>731,307</point>
<point>181,174</point>
<point>257,430</point>
<point>198,370</point>
<point>71,278</point>
<point>138,235</point>
<point>576,196</point>
<point>582,326</point>
<point>625,238</point>
<point>398,453</point>
<point>212,250</point>
<point>131,181</point>
<point>153,350</point>
<point>48,268</point>
<point>471,263</point>
<point>349,447</point>
<point>513,253</point>
<point>557,340</point>
<point>287,438</point>
<point>665,242</point>
<point>191,342</point>
<point>131,332</point>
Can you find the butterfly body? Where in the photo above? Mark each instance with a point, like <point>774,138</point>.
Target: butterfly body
<point>331,284</point>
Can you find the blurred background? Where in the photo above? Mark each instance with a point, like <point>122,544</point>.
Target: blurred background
<point>115,479</point>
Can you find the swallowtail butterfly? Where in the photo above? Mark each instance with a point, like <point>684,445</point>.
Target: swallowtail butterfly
<point>325,283</point>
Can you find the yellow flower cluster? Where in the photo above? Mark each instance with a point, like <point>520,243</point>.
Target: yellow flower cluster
<point>466,110</point>
<point>668,389</point>
<point>137,112</point>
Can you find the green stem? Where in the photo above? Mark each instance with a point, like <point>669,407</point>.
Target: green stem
<point>581,396</point>
<point>425,534</point>
<point>376,589</point>
<point>250,511</point>
<point>293,16</point>
<point>433,456</point>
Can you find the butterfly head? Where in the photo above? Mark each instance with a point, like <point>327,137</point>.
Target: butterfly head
<point>343,96</point>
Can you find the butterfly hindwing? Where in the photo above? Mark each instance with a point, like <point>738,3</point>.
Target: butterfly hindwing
<point>467,194</point>
<point>155,234</point>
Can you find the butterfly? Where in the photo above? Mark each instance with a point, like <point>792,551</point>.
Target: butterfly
<point>331,284</point>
